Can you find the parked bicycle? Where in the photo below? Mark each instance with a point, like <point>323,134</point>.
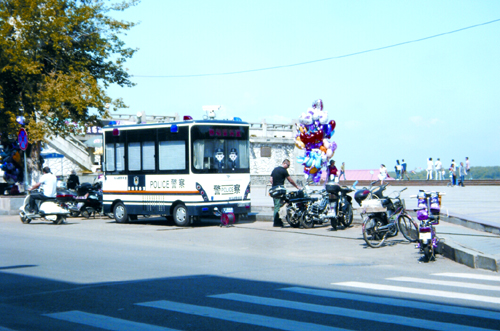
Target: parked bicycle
<point>384,218</point>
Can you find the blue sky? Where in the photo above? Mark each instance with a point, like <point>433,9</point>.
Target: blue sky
<point>436,98</point>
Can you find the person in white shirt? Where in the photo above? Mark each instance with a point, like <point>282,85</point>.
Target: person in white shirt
<point>467,167</point>
<point>438,167</point>
<point>48,184</point>
<point>382,174</point>
<point>430,168</point>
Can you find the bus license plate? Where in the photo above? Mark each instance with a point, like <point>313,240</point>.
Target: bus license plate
<point>425,236</point>
<point>227,189</point>
<point>227,210</point>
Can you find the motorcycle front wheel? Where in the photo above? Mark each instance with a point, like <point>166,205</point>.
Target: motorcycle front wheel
<point>371,234</point>
<point>348,216</point>
<point>428,250</point>
<point>24,219</point>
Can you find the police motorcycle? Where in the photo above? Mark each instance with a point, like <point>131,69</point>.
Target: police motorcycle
<point>49,210</point>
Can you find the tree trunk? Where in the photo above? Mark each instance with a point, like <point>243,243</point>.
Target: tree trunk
<point>34,163</point>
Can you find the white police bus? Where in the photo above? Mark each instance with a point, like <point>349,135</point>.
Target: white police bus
<point>189,170</point>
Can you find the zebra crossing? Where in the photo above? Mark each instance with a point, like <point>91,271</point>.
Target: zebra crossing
<point>333,309</point>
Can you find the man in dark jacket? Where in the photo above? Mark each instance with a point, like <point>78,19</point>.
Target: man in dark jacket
<point>73,181</point>
<point>278,177</point>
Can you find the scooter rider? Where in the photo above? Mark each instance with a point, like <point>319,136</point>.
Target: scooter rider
<point>48,183</point>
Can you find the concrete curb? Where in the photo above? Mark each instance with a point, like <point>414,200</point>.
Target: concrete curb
<point>469,257</point>
<point>475,224</point>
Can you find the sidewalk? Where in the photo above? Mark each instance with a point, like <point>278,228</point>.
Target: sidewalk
<point>469,228</point>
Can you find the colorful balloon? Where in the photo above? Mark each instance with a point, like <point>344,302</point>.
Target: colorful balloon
<point>314,136</point>
<point>299,144</point>
<point>318,104</point>
<point>329,153</point>
<point>332,124</point>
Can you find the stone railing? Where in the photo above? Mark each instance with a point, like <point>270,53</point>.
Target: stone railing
<point>263,180</point>
<point>264,129</point>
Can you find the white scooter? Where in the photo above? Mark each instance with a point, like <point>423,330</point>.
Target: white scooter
<point>48,210</point>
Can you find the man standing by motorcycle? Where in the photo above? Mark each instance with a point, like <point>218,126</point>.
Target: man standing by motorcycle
<point>48,183</point>
<point>278,176</point>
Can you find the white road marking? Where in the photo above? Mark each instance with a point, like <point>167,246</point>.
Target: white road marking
<point>446,283</point>
<point>397,302</point>
<point>470,276</point>
<point>346,312</point>
<point>234,316</point>
<point>434,293</point>
<point>105,322</point>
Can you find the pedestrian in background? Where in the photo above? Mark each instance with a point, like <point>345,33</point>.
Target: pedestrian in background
<point>430,168</point>
<point>462,172</point>
<point>73,181</point>
<point>278,176</point>
<point>403,170</point>
<point>467,167</point>
<point>342,171</point>
<point>438,167</point>
<point>398,170</point>
<point>452,175</point>
<point>332,171</point>
<point>382,174</point>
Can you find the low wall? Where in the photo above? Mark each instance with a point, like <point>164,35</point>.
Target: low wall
<point>259,180</point>
<point>9,205</point>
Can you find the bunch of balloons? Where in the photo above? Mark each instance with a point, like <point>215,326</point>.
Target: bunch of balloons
<point>314,136</point>
<point>11,164</point>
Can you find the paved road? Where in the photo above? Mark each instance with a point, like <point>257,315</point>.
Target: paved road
<point>96,274</point>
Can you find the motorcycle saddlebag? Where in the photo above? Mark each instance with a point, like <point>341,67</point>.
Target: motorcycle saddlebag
<point>332,188</point>
<point>277,192</point>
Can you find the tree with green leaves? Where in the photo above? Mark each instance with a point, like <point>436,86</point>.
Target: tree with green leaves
<point>57,58</point>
